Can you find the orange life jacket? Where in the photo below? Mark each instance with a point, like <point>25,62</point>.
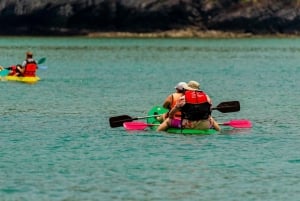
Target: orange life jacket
<point>30,69</point>
<point>175,98</point>
<point>197,106</point>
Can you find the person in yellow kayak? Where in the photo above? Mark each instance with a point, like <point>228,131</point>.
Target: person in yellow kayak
<point>28,67</point>
<point>195,107</point>
<point>13,70</point>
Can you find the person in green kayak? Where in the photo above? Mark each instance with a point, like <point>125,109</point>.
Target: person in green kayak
<point>195,107</point>
<point>171,101</point>
<point>29,66</point>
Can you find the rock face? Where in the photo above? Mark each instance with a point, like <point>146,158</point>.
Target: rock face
<point>67,17</point>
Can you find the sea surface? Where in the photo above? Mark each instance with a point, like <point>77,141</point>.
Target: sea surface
<point>56,143</point>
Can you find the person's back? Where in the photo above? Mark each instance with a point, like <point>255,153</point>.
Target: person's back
<point>29,66</point>
<point>196,111</point>
<point>171,100</point>
<point>197,105</point>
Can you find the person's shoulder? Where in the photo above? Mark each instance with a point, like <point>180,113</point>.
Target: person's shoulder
<point>170,96</point>
<point>208,99</point>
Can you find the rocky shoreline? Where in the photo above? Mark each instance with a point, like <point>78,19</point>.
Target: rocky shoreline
<point>150,18</point>
<point>186,34</point>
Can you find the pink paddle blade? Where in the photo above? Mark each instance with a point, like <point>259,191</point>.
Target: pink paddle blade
<point>238,123</point>
<point>135,125</point>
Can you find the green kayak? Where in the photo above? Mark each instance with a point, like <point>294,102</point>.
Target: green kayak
<point>160,110</point>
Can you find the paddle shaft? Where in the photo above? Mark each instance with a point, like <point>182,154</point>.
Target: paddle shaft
<point>136,118</point>
<point>152,124</point>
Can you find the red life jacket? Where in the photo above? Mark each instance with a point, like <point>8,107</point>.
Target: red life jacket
<point>196,106</point>
<point>30,69</point>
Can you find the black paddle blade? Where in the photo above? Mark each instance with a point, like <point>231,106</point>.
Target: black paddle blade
<point>119,120</point>
<point>230,106</point>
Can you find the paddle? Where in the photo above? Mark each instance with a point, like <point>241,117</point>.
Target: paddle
<point>41,60</point>
<point>42,67</point>
<point>118,121</point>
<point>230,106</point>
<point>4,72</point>
<point>236,123</point>
<point>137,125</point>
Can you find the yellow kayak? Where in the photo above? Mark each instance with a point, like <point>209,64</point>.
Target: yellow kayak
<point>29,80</point>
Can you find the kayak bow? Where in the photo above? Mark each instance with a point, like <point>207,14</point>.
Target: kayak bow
<point>29,80</point>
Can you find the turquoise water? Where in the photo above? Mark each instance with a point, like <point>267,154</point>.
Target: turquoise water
<point>56,142</point>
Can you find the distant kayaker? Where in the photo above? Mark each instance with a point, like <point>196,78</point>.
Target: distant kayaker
<point>171,101</point>
<point>13,70</point>
<point>195,107</point>
<point>29,66</point>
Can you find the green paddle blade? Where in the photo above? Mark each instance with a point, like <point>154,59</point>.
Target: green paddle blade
<point>41,60</point>
<point>4,72</point>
